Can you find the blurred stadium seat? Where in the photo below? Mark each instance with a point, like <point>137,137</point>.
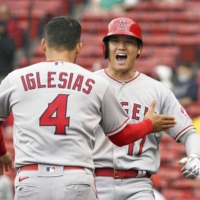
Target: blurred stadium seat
<point>193,109</point>
<point>154,6</point>
<point>176,194</point>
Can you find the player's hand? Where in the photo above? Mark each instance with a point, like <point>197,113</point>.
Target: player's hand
<point>5,163</point>
<point>160,122</point>
<point>191,169</point>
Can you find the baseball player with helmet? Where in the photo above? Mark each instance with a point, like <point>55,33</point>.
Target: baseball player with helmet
<point>56,105</point>
<point>124,172</point>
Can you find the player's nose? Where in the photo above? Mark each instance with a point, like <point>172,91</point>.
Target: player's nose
<point>121,45</point>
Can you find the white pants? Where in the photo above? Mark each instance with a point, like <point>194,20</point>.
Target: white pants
<point>72,185</point>
<point>109,188</point>
<point>158,195</point>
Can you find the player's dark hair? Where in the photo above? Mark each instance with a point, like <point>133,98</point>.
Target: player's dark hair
<point>63,32</point>
<point>140,43</point>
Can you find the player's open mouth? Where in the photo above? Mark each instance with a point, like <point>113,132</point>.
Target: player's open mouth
<point>121,58</point>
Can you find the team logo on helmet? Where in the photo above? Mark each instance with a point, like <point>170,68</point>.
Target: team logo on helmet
<point>122,25</point>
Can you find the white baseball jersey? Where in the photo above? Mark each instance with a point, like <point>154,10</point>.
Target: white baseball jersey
<point>135,97</point>
<point>56,106</point>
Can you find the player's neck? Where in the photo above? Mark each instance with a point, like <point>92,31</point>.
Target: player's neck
<point>120,75</point>
<point>65,56</point>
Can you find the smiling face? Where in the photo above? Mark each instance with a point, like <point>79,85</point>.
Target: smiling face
<point>123,50</point>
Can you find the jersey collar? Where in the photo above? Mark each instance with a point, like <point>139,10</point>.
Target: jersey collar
<point>123,82</point>
<point>55,61</point>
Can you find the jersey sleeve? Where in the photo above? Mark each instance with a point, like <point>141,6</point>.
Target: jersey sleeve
<point>114,118</point>
<point>173,108</point>
<point>5,91</point>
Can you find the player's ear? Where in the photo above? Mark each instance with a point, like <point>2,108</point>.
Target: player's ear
<point>140,45</point>
<point>44,45</point>
<point>139,52</point>
<point>79,47</point>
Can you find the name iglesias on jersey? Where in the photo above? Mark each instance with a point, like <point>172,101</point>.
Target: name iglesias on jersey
<point>32,81</point>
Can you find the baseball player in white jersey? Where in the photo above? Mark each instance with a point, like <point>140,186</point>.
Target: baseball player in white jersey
<point>56,106</point>
<point>123,173</point>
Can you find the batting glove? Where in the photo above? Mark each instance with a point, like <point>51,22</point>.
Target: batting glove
<point>191,170</point>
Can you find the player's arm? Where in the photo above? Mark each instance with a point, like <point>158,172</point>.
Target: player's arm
<point>3,150</point>
<point>152,123</point>
<point>189,137</point>
<point>191,141</point>
<point>5,158</point>
<point>131,133</point>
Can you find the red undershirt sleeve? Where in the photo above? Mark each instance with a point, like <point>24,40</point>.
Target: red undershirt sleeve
<point>132,132</point>
<point>3,150</point>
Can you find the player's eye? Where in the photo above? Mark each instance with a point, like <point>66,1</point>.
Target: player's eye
<point>130,41</point>
<point>115,40</point>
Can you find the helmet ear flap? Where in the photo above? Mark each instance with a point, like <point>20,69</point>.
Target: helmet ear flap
<point>105,49</point>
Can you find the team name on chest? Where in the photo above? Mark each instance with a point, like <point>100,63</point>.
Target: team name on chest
<point>61,80</point>
<point>134,110</point>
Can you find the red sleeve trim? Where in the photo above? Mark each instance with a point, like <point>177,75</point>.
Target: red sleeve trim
<point>118,127</point>
<point>182,131</point>
<point>132,132</point>
<point>3,150</point>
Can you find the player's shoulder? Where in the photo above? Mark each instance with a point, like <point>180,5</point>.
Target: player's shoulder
<point>100,81</point>
<point>27,68</point>
<point>98,72</point>
<point>151,81</point>
<point>99,75</point>
<point>12,76</point>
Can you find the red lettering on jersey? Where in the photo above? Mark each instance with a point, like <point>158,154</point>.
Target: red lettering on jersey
<point>38,81</point>
<point>63,80</point>
<point>88,84</point>
<point>50,79</point>
<point>136,110</point>
<point>70,81</point>
<point>24,83</point>
<point>60,121</point>
<point>130,149</point>
<point>125,104</point>
<point>146,110</point>
<point>141,145</point>
<point>30,81</point>
<point>78,83</point>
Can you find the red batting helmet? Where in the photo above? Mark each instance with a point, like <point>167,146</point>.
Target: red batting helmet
<point>122,26</point>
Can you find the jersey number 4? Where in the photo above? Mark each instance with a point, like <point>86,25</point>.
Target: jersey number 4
<point>55,114</point>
